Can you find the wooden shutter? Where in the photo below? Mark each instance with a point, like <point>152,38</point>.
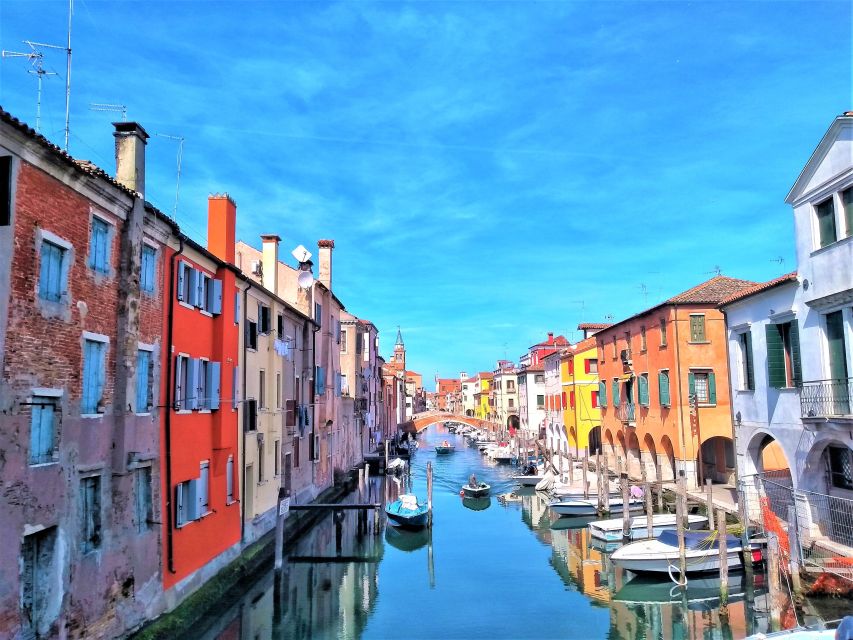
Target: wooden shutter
<point>181,275</point>
<point>179,505</point>
<point>586,366</point>
<point>191,392</point>
<point>644,390</point>
<point>216,296</point>
<point>747,354</point>
<point>235,386</point>
<point>691,384</point>
<point>712,388</point>
<point>229,479</point>
<point>775,357</point>
<point>663,388</point>
<point>615,387</point>
<point>237,308</point>
<point>213,383</point>
<point>602,393</point>
<point>797,373</point>
<point>290,413</point>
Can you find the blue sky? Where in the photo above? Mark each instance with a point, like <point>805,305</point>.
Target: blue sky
<point>489,171</point>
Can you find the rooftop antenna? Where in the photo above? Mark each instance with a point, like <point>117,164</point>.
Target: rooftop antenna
<point>608,317</point>
<point>180,141</point>
<point>645,290</point>
<point>716,270</point>
<point>116,108</point>
<point>36,59</point>
<point>779,260</point>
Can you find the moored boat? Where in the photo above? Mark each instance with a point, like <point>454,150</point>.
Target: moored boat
<point>584,507</point>
<point>660,555</point>
<point>406,511</point>
<point>611,530</point>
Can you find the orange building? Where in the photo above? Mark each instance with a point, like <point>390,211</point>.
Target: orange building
<point>200,478</point>
<point>664,388</point>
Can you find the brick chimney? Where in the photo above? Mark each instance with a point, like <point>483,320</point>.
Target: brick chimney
<point>221,226</point>
<point>270,261</point>
<point>550,337</point>
<point>130,155</point>
<point>325,259</point>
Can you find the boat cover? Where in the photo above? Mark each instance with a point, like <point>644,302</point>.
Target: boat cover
<point>410,502</point>
<point>697,539</point>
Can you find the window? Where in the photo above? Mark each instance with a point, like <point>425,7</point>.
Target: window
<point>262,395</point>
<point>319,381</point>
<point>826,222</point>
<point>99,246</point>
<point>144,381</point>
<point>5,191</point>
<point>202,489</point>
<point>277,458</point>
<point>149,268</point>
<point>39,574</point>
<point>250,415</point>
<point>590,366</point>
<point>184,506</point>
<point>344,384</point>
<point>783,354</point>
<point>264,319</point>
<point>614,386</point>
<point>42,430</point>
<point>344,341</point>
<point>702,385</point>
<point>93,376</point>
<point>260,461</point>
<point>142,493</point>
<point>663,388</point>
<point>539,378</point>
<point>318,313</point>
<point>510,403</point>
<point>279,325</point>
<point>642,338</point>
<point>747,381</point>
<point>594,399</point>
<point>235,387</point>
<point>840,467</point>
<point>338,331</point>
<point>278,391</point>
<point>540,401</point>
<point>572,367</point>
<point>52,272</point>
<point>571,400</point>
<point>628,342</point>
<point>237,307</point>
<point>186,283</point>
<point>643,388</point>
<point>203,376</point>
<point>183,377</point>
<point>252,335</point>
<point>614,347</point>
<point>846,202</point>
<point>663,332</point>
<point>229,480</point>
<point>297,443</point>
<point>697,327</point>
<point>90,513</point>
<point>510,385</point>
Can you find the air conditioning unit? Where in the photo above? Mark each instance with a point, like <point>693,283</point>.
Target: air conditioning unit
<point>257,267</point>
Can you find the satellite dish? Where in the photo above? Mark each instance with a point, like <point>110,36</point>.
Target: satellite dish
<point>301,254</point>
<point>304,279</point>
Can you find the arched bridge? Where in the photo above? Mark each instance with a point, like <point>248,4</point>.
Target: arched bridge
<point>421,421</point>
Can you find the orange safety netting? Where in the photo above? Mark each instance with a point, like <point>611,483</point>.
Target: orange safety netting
<point>772,524</point>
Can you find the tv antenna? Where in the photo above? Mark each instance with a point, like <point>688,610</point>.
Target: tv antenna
<point>180,141</point>
<point>645,291</point>
<point>779,260</point>
<point>115,108</point>
<point>716,270</point>
<point>36,59</point>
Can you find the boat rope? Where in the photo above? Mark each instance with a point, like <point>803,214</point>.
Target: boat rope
<point>671,577</point>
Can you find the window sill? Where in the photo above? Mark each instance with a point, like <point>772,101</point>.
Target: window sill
<point>706,404</point>
<point>828,247</point>
<point>745,390</point>
<point>204,410</point>
<point>183,412</point>
<point>91,416</point>
<point>698,342</point>
<point>186,305</point>
<point>228,503</point>
<point>36,465</point>
<point>142,414</point>
<point>205,313</point>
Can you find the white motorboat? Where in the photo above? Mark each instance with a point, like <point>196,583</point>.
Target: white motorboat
<point>611,530</point>
<point>583,507</point>
<point>798,633</point>
<point>530,476</point>
<point>660,555</point>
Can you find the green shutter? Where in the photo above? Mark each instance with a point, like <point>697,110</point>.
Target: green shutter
<point>847,201</point>
<point>663,388</point>
<point>750,372</point>
<point>644,391</point>
<point>615,388</point>
<point>826,222</point>
<point>795,353</point>
<point>837,349</point>
<point>712,388</point>
<point>691,384</point>
<point>775,357</point>
<point>602,394</point>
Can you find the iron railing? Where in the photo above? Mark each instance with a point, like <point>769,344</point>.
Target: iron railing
<point>826,398</point>
<point>626,412</point>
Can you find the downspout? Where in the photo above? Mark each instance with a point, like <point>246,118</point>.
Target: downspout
<point>680,403</point>
<point>243,399</point>
<point>731,398</point>
<point>170,548</point>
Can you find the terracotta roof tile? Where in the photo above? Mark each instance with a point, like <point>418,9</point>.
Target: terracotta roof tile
<point>758,288</point>
<point>593,325</point>
<point>711,291</point>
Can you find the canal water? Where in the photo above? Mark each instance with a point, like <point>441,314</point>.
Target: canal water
<point>502,567</point>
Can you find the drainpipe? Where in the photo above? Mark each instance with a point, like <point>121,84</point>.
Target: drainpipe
<point>731,399</point>
<point>243,399</point>
<point>170,548</point>
<point>680,402</point>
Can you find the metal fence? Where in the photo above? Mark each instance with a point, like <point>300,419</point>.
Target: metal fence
<point>816,528</point>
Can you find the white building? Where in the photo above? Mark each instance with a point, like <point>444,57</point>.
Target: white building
<point>531,401</point>
<point>506,394</point>
<point>790,339</point>
<point>555,429</point>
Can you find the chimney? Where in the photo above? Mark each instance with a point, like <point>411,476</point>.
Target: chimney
<point>270,261</point>
<point>130,155</point>
<point>550,337</point>
<point>325,258</point>
<point>221,223</point>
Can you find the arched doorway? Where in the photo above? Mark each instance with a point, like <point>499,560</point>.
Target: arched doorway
<point>829,471</point>
<point>649,456</point>
<point>765,456</point>
<point>594,441</point>
<point>512,422</point>
<point>717,460</point>
<point>667,464</point>
<point>469,413</point>
<point>634,456</point>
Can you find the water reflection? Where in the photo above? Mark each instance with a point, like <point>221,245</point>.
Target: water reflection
<point>532,575</point>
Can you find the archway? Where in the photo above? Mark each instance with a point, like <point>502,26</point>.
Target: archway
<point>765,455</point>
<point>649,458</point>
<point>829,471</point>
<point>512,422</point>
<point>469,413</point>
<point>633,456</point>
<point>717,460</point>
<point>667,463</point>
<point>594,440</point>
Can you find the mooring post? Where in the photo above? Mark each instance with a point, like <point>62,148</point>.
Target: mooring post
<point>626,511</point>
<point>599,483</point>
<point>659,486</point>
<point>794,548</point>
<point>429,491</point>
<point>586,472</point>
<point>710,497</point>
<point>386,454</point>
<point>560,461</point>
<point>650,518</point>
<point>376,524</point>
<point>680,509</point>
<point>722,536</point>
<point>281,510</point>
<point>774,582</point>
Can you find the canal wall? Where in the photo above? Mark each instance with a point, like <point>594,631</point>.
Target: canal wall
<point>256,557</point>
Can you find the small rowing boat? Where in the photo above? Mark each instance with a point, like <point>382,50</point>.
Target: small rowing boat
<point>407,512</point>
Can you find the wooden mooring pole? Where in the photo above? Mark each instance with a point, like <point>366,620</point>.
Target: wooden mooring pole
<point>626,511</point>
<point>429,491</point>
<point>680,509</point>
<point>650,524</point>
<point>774,582</point>
<point>794,548</point>
<point>586,472</point>
<point>710,497</point>
<point>722,534</point>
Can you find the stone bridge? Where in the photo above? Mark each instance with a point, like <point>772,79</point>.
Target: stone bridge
<point>421,421</point>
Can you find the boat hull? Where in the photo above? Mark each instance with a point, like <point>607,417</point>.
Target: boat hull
<point>568,508</point>
<point>476,492</point>
<point>611,531</point>
<point>445,450</point>
<point>418,521</point>
<point>652,556</point>
<point>528,481</point>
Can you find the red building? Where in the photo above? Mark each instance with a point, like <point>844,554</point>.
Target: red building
<point>200,478</point>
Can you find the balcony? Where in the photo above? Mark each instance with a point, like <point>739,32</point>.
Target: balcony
<point>826,398</point>
<point>625,412</point>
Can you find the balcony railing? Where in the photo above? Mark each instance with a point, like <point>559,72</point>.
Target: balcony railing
<point>625,412</point>
<point>826,398</point>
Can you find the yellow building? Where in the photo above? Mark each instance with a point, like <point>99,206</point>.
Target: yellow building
<point>483,408</point>
<point>579,381</point>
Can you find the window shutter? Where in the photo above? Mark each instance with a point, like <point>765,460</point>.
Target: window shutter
<point>235,388</point>
<point>141,381</point>
<point>192,500</point>
<point>602,393</point>
<point>203,489</point>
<point>178,398</point>
<point>100,373</point>
<point>775,356</point>
<point>200,300</point>
<point>213,383</point>
<point>179,505</point>
<point>237,308</point>
<point>216,297</point>
<point>750,372</point>
<point>795,353</point>
<point>615,387</point>
<point>192,274</point>
<point>712,388</point>
<point>571,366</point>
<point>191,392</point>
<point>691,384</point>
<point>586,366</point>
<point>572,399</point>
<point>663,387</point>
<point>181,275</point>
<point>644,391</point>
<point>594,399</point>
